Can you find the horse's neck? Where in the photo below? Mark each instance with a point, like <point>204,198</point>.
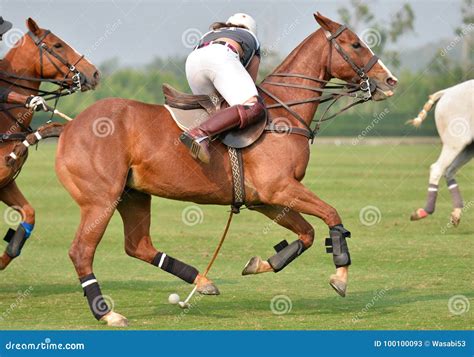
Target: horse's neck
<point>21,64</point>
<point>307,59</point>
<point>18,63</point>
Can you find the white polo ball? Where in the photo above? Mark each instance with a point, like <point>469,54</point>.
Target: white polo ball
<point>173,299</point>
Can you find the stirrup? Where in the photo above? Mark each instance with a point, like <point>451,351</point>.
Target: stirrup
<point>197,147</point>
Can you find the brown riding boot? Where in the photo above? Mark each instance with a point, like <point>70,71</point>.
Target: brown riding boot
<point>197,139</point>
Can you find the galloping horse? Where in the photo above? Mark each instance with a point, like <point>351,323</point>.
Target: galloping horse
<point>454,118</point>
<point>136,156</point>
<point>38,56</point>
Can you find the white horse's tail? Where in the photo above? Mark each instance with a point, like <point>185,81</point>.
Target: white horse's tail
<point>433,98</point>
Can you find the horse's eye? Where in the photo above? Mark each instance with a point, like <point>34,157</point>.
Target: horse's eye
<point>356,45</point>
<point>58,45</point>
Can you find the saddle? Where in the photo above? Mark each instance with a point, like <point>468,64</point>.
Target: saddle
<point>189,111</point>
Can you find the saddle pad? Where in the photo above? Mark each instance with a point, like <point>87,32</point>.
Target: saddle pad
<point>187,119</point>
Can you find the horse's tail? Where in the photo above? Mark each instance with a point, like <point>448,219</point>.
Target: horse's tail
<point>433,98</point>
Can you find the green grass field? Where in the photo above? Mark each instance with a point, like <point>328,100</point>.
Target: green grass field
<point>402,277</point>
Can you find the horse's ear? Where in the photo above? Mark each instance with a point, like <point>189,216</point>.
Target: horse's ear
<point>33,26</point>
<point>324,22</point>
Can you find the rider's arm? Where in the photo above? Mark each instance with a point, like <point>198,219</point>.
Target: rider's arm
<point>31,102</point>
<point>16,98</point>
<point>252,68</point>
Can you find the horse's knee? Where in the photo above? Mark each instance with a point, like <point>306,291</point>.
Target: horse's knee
<point>332,217</point>
<point>307,238</point>
<point>28,213</point>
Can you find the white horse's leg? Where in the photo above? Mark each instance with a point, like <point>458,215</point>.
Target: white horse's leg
<point>437,170</point>
<point>463,158</point>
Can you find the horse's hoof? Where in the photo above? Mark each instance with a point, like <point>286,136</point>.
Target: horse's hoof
<point>338,285</point>
<point>115,320</point>
<point>456,216</point>
<point>252,266</point>
<point>420,213</point>
<point>208,289</point>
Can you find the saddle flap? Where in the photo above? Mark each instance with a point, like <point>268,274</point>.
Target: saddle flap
<point>187,119</point>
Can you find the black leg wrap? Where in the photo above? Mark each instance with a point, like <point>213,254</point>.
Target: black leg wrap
<point>176,267</point>
<point>286,253</point>
<point>16,240</point>
<point>96,301</point>
<point>337,245</point>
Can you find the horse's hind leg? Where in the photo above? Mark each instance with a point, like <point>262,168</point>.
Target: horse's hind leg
<point>463,158</point>
<point>134,208</point>
<point>94,220</point>
<point>437,170</point>
<point>12,196</point>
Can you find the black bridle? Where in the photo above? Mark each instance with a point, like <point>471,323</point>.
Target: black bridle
<point>348,89</point>
<point>66,85</point>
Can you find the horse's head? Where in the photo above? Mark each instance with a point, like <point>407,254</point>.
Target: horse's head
<point>59,61</point>
<point>351,60</point>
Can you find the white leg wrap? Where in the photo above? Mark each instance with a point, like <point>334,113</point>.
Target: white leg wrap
<point>13,156</point>
<point>38,135</point>
<point>26,143</point>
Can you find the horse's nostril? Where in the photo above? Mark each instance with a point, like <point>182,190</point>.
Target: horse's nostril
<point>392,81</point>
<point>96,75</point>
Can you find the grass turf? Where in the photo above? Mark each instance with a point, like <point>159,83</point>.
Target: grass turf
<point>402,277</point>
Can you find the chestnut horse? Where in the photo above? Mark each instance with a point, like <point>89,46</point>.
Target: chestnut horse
<point>38,56</point>
<point>119,152</point>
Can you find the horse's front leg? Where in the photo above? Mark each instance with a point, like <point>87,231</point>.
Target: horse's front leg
<point>12,196</point>
<point>291,193</point>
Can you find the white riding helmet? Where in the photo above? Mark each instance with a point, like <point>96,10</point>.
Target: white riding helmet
<point>245,20</point>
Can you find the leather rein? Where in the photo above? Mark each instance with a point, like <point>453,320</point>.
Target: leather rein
<point>66,86</point>
<point>347,89</point>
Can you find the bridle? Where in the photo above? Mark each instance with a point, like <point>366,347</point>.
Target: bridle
<point>66,86</point>
<point>365,85</point>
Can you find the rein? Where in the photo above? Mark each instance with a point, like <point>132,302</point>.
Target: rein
<point>338,90</point>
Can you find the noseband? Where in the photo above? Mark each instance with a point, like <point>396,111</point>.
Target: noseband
<point>337,90</point>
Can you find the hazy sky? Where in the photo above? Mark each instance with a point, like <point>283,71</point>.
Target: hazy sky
<point>137,31</point>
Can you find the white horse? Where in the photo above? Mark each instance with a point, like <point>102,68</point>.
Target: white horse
<point>454,116</point>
